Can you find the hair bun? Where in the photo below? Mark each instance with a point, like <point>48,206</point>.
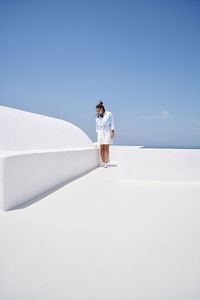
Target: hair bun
<point>101,102</point>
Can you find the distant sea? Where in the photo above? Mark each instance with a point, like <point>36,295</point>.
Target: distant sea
<point>173,147</point>
<point>162,147</point>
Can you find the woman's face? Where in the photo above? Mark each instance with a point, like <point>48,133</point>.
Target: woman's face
<point>99,111</point>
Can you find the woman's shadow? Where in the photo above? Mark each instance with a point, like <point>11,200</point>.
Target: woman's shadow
<point>112,165</point>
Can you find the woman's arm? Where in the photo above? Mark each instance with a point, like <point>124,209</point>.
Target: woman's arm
<point>112,125</point>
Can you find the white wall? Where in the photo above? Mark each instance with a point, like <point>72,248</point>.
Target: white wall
<point>29,175</point>
<point>38,153</point>
<point>21,130</point>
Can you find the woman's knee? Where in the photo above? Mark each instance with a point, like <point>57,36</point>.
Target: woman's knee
<point>107,148</point>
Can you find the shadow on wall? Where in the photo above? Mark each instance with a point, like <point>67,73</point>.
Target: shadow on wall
<point>50,191</point>
<point>54,189</point>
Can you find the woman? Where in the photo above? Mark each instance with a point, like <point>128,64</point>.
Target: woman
<point>105,132</point>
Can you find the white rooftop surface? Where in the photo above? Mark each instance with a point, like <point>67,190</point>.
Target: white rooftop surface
<point>105,236</point>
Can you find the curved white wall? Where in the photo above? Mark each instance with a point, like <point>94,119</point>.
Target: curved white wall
<point>38,153</point>
<point>21,130</point>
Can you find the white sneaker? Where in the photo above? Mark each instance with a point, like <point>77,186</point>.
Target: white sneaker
<point>102,164</point>
<point>105,165</point>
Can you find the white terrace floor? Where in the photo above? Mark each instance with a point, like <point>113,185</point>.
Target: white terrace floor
<point>102,237</point>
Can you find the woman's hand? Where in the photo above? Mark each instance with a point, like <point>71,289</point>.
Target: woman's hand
<point>112,134</point>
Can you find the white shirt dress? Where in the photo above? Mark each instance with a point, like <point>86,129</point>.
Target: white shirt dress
<point>104,127</point>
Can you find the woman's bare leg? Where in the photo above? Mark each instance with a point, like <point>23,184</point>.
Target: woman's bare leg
<point>106,153</point>
<point>102,153</point>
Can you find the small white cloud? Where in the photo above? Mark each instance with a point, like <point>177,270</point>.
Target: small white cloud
<point>164,114</point>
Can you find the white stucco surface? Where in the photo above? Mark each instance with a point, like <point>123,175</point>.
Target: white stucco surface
<point>22,130</point>
<point>159,164</point>
<point>37,153</point>
<point>109,235</point>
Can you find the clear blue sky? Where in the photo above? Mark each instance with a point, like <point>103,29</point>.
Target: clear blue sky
<point>142,58</point>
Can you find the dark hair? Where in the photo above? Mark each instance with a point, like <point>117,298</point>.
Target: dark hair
<point>100,105</point>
